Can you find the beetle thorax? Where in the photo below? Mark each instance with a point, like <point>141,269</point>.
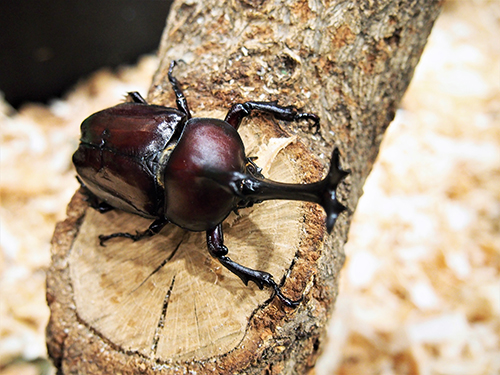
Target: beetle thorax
<point>196,177</point>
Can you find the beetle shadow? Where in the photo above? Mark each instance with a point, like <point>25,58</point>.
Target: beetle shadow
<point>259,240</point>
<point>232,234</point>
<point>200,265</point>
<point>247,243</point>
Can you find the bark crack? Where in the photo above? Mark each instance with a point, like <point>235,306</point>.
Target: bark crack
<point>161,320</point>
<point>162,264</point>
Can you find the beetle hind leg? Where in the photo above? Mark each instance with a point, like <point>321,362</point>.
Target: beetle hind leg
<point>217,249</point>
<point>155,228</point>
<point>179,95</point>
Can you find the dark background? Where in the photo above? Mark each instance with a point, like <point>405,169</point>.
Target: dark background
<point>46,46</point>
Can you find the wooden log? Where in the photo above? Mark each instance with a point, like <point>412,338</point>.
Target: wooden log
<point>162,305</point>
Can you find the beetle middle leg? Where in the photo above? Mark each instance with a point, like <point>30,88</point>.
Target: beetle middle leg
<point>216,248</point>
<point>290,113</point>
<point>94,202</point>
<point>100,206</point>
<point>155,228</point>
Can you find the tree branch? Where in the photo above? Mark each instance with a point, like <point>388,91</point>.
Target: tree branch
<point>348,61</point>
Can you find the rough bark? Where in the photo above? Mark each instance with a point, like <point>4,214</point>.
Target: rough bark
<point>348,61</point>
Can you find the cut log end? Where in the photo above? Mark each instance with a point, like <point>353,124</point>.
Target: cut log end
<point>164,303</point>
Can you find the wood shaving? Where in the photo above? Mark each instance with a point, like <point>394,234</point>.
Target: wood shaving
<point>420,291</point>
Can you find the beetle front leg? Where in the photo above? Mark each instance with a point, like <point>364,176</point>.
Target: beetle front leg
<point>290,113</point>
<point>155,228</point>
<point>135,97</point>
<point>216,248</point>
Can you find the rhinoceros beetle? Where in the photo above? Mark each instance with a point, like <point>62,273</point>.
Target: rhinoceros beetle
<point>160,163</point>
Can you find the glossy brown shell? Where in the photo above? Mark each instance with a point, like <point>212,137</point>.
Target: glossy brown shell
<point>198,196</point>
<point>120,154</point>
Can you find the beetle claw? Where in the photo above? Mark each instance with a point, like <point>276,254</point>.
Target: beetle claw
<point>277,290</point>
<point>260,278</point>
<point>310,116</point>
<point>288,302</point>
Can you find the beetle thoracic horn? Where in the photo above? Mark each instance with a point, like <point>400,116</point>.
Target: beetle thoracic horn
<point>251,188</point>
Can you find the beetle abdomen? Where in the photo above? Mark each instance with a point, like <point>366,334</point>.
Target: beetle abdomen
<point>120,151</point>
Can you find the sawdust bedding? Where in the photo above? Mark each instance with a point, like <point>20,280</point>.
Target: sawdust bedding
<point>420,291</point>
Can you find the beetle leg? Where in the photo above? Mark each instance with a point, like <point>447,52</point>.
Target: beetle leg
<point>290,113</point>
<point>155,228</point>
<point>101,207</point>
<point>180,98</point>
<point>93,201</point>
<point>136,97</point>
<point>216,248</point>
